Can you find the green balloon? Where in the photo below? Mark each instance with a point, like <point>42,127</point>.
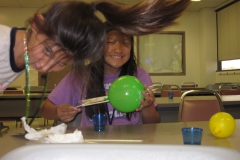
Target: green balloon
<point>125,93</point>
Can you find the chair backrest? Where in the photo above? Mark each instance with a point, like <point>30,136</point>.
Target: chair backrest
<point>157,87</point>
<point>188,85</point>
<point>171,88</point>
<point>214,87</point>
<point>13,92</point>
<point>226,89</point>
<point>219,83</point>
<point>199,108</point>
<point>224,86</point>
<point>235,86</point>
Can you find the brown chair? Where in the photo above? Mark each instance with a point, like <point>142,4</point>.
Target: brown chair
<point>13,90</point>
<point>188,85</point>
<point>157,89</point>
<point>235,86</point>
<point>170,88</point>
<point>213,87</point>
<point>226,89</point>
<point>199,108</point>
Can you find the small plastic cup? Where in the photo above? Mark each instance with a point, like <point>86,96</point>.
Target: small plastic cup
<point>170,95</point>
<point>192,135</point>
<point>99,122</point>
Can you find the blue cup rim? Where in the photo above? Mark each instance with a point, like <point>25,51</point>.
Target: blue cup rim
<point>192,129</point>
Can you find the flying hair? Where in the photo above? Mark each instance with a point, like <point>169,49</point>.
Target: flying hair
<point>145,17</point>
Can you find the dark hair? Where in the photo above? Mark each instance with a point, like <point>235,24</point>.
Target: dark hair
<point>129,68</point>
<point>76,30</point>
<point>145,17</point>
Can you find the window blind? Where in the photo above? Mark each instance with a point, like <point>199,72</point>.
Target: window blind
<point>228,30</point>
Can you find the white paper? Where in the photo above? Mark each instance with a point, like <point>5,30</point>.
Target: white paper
<point>55,134</point>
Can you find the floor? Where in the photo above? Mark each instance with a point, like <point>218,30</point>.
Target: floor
<point>37,123</point>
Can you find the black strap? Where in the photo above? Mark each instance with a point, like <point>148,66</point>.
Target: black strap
<point>110,119</point>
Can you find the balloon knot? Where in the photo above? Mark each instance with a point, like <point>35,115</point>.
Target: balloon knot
<point>216,130</point>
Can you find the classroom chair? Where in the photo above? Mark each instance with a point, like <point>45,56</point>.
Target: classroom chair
<point>226,89</point>
<point>188,85</point>
<point>157,89</point>
<point>199,108</point>
<point>214,87</point>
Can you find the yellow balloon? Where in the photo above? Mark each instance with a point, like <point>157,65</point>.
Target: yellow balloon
<point>222,125</point>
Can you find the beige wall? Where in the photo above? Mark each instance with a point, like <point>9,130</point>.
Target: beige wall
<point>200,40</point>
<point>14,16</point>
<point>188,22</point>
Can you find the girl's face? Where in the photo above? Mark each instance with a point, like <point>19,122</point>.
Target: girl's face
<point>117,51</point>
<point>42,56</point>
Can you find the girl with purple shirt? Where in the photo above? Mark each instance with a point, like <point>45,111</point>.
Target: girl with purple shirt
<point>118,60</point>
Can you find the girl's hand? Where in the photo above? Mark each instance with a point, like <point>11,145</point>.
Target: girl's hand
<point>149,99</point>
<point>66,112</point>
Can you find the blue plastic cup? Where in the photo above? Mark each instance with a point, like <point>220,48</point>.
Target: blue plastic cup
<point>192,135</point>
<point>170,95</point>
<point>99,122</point>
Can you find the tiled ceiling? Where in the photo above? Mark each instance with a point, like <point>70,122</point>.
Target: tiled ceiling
<point>195,6</point>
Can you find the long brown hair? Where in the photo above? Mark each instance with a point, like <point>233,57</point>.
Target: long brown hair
<point>145,17</point>
<point>76,30</point>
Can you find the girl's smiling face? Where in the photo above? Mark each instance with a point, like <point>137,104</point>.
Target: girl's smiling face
<point>117,51</point>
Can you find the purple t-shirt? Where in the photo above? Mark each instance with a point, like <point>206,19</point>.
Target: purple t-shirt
<point>64,93</point>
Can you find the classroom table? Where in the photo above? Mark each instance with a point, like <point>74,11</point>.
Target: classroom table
<point>159,133</point>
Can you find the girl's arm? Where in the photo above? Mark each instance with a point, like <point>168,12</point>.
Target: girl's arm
<point>64,112</point>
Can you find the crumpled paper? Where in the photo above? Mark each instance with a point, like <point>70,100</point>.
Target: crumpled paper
<point>55,134</point>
